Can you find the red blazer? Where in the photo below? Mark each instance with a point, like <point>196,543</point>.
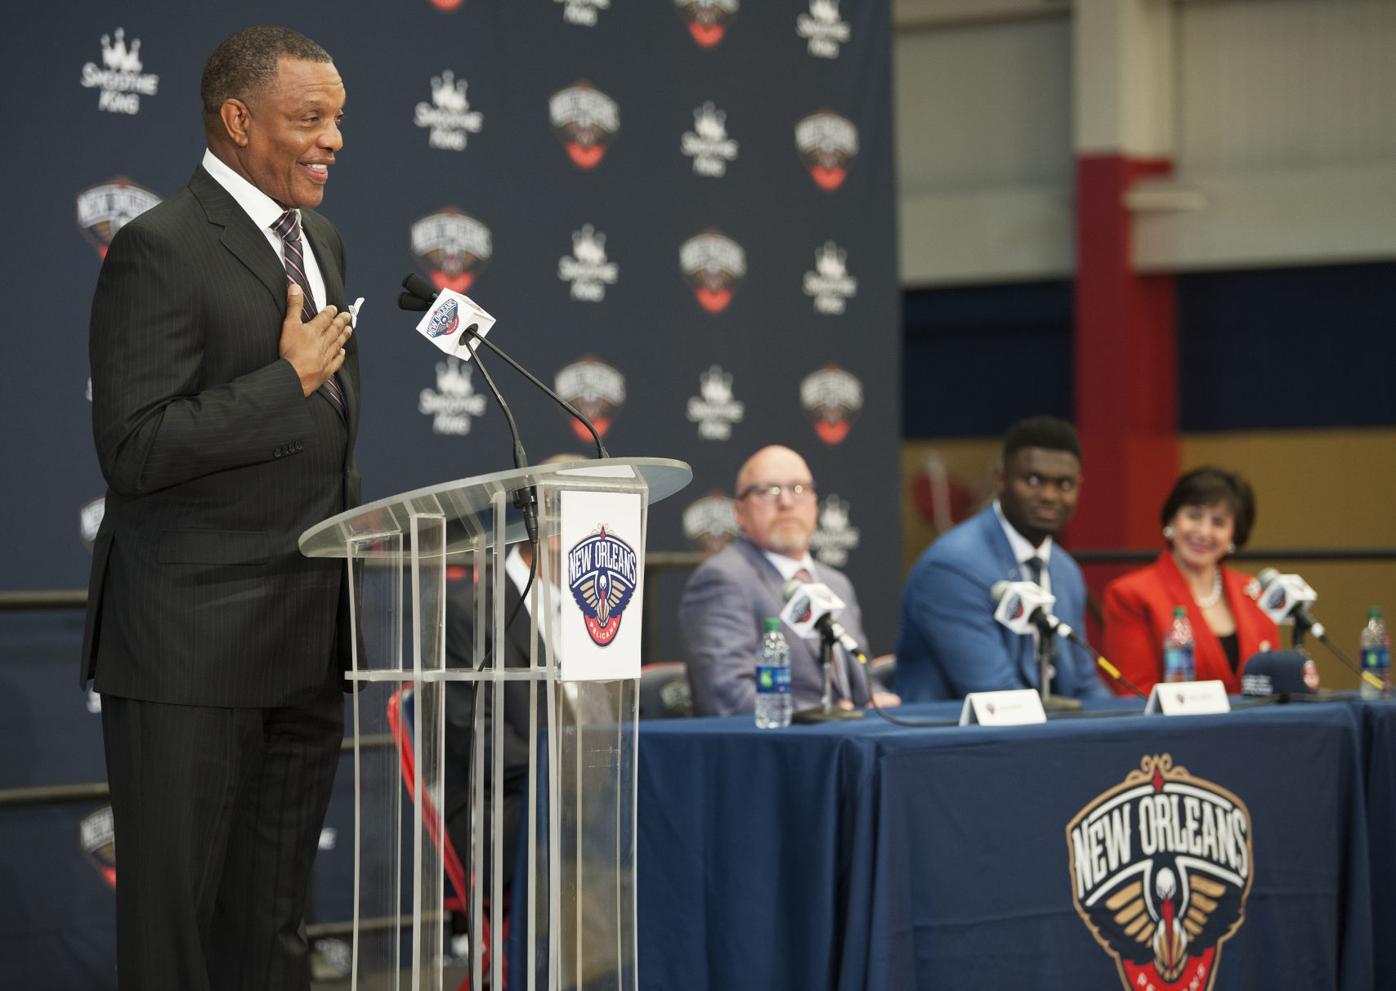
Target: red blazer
<point>1139,610</point>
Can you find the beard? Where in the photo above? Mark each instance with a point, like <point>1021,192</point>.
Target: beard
<point>790,540</point>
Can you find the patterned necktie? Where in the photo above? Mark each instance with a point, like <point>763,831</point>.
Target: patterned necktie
<point>288,228</point>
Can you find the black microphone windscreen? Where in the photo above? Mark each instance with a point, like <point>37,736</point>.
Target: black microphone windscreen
<point>408,301</point>
<point>1279,672</point>
<point>418,285</point>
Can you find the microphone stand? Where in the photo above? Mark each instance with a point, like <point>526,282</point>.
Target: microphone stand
<point>1050,702</point>
<point>827,711</point>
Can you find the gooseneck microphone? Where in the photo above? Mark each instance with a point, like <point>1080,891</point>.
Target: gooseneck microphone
<point>419,296</point>
<point>818,612</point>
<point>1284,597</point>
<point>1033,606</point>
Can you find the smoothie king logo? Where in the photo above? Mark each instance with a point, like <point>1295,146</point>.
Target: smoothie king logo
<point>602,571</point>
<point>451,247</point>
<point>105,209</point>
<point>448,119</point>
<point>585,120</point>
<point>120,78</point>
<point>708,144</point>
<point>823,28</point>
<point>1161,865</point>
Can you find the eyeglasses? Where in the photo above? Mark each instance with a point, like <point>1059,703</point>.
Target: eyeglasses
<point>770,491</point>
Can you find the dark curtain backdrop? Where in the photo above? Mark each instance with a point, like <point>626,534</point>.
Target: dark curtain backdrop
<point>683,215</point>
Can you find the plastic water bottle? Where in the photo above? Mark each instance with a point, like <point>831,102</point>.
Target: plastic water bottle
<point>773,701</point>
<point>1376,654</point>
<point>1177,648</point>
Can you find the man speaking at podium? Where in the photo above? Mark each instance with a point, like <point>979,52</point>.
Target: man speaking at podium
<point>224,411</point>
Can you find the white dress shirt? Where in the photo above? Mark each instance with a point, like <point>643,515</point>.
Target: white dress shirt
<point>265,212</point>
<point>1023,551</point>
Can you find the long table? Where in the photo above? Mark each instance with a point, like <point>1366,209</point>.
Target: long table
<point>864,855</point>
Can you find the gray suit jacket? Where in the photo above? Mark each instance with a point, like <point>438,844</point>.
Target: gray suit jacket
<point>723,605</point>
<point>215,462</point>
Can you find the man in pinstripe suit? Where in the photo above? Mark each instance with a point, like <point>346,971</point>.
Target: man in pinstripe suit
<point>225,406</point>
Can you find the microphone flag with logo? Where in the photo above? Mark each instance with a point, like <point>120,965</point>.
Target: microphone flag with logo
<point>448,323</point>
<point>807,604</point>
<point>1019,602</point>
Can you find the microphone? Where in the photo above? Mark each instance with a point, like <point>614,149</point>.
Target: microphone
<point>1024,603</point>
<point>1279,672</point>
<point>1284,597</point>
<point>419,296</point>
<point>811,606</point>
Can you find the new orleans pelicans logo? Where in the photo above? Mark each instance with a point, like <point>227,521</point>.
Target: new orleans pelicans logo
<point>602,571</point>
<point>1161,865</point>
<point>446,320</point>
<point>585,120</point>
<point>105,209</point>
<point>831,398</point>
<point>707,19</point>
<point>713,265</point>
<point>595,388</point>
<point>827,143</point>
<point>452,248</point>
<point>711,522</point>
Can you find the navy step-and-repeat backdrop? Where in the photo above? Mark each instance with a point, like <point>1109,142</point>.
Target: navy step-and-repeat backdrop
<point>681,214</point>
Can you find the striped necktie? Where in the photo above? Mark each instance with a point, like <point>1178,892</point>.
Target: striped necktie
<point>288,228</point>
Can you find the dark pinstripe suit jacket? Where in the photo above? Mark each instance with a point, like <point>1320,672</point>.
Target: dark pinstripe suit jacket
<point>215,462</point>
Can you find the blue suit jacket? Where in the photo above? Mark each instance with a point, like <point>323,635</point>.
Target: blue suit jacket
<point>948,643</point>
<point>723,605</point>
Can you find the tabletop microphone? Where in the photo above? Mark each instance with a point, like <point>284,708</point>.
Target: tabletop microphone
<point>1024,604</point>
<point>811,606</point>
<point>1284,597</point>
<point>420,294</point>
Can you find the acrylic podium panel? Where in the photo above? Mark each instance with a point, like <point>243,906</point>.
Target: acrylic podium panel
<point>578,851</point>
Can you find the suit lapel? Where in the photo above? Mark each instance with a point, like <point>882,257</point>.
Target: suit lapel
<point>318,238</point>
<point>241,237</point>
<point>1007,564</point>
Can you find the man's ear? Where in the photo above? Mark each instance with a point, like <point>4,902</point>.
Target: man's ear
<point>236,120</point>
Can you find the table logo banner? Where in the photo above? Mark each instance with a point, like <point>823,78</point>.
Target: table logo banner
<point>707,20</point>
<point>585,120</point>
<point>105,208</point>
<point>827,143</point>
<point>831,398</point>
<point>713,265</point>
<point>451,247</point>
<point>602,545</point>
<point>1161,865</point>
<point>595,388</point>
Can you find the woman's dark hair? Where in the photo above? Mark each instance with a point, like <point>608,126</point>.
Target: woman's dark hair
<point>1209,486</point>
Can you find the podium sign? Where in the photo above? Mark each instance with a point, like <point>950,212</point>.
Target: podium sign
<point>578,926</point>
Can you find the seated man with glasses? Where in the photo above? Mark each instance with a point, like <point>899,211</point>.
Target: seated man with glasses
<point>731,593</point>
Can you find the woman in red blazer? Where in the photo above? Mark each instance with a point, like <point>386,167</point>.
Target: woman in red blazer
<point>1207,516</point>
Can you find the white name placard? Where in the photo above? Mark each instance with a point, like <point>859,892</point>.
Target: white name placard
<point>1018,707</point>
<point>602,585</point>
<point>1188,698</point>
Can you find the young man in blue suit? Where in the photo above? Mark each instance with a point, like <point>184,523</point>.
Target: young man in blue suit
<point>948,643</point>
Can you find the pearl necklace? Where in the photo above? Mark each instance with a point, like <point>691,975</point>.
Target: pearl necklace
<point>1211,600</point>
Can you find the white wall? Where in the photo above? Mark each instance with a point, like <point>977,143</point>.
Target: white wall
<point>1285,139</point>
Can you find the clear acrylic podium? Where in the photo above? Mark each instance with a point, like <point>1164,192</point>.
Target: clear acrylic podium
<point>578,855</point>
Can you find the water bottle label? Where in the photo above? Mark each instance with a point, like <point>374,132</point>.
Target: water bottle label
<point>1177,665</point>
<point>772,679</point>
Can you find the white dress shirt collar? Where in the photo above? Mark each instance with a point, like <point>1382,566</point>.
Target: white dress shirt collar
<point>1022,550</point>
<point>263,210</point>
<point>787,566</point>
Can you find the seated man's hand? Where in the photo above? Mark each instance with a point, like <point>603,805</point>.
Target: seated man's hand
<point>886,699</point>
